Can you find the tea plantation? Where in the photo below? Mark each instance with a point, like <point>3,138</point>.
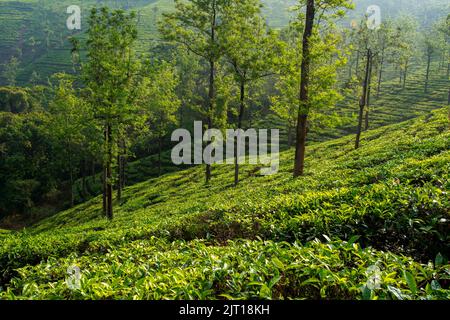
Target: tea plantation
<point>365,224</point>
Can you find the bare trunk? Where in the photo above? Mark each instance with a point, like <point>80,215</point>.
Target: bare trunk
<point>427,77</point>
<point>124,166</point>
<point>405,75</point>
<point>240,117</point>
<point>369,89</point>
<point>72,200</point>
<point>109,187</point>
<point>121,169</point>
<point>119,177</point>
<point>380,74</point>
<point>362,101</point>
<point>304,91</point>
<point>84,170</point>
<point>105,204</point>
<point>159,154</point>
<point>211,93</point>
<point>211,108</point>
<point>302,132</point>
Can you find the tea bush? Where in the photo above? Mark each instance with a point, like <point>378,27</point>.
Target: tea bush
<point>156,269</point>
<point>390,198</point>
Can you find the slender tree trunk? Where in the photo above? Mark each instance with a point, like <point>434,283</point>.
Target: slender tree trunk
<point>105,203</point>
<point>210,111</point>
<point>405,76</point>
<point>380,74</point>
<point>427,77</point>
<point>211,93</point>
<point>302,132</point>
<point>362,101</point>
<point>109,187</point>
<point>124,166</point>
<point>84,171</point>
<point>304,91</point>
<point>121,169</point>
<point>72,200</point>
<point>159,153</point>
<point>119,177</point>
<point>369,89</point>
<point>104,175</point>
<point>240,118</point>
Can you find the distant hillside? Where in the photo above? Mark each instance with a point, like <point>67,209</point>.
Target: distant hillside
<point>35,31</point>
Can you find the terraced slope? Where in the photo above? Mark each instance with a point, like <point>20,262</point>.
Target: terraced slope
<point>35,31</point>
<point>174,237</point>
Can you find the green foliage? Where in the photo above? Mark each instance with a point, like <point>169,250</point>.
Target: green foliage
<point>393,196</point>
<point>383,209</point>
<point>11,70</point>
<point>159,99</point>
<point>16,100</point>
<point>155,269</point>
<point>25,144</point>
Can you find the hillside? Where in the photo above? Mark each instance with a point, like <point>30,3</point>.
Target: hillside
<point>271,237</point>
<point>393,105</point>
<point>34,31</point>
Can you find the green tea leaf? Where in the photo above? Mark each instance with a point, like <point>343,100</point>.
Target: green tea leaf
<point>410,281</point>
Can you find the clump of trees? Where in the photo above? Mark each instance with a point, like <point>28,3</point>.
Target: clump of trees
<point>217,61</point>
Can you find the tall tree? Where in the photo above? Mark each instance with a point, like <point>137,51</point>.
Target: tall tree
<point>300,147</point>
<point>69,118</point>
<point>406,47</point>
<point>444,29</point>
<point>249,49</point>
<point>316,11</point>
<point>195,24</point>
<point>160,101</point>
<point>110,76</point>
<point>386,41</point>
<point>363,99</point>
<point>375,46</point>
<point>431,46</point>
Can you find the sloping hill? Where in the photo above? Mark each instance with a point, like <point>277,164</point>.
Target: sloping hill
<point>174,237</point>
<point>35,31</point>
<point>394,104</point>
